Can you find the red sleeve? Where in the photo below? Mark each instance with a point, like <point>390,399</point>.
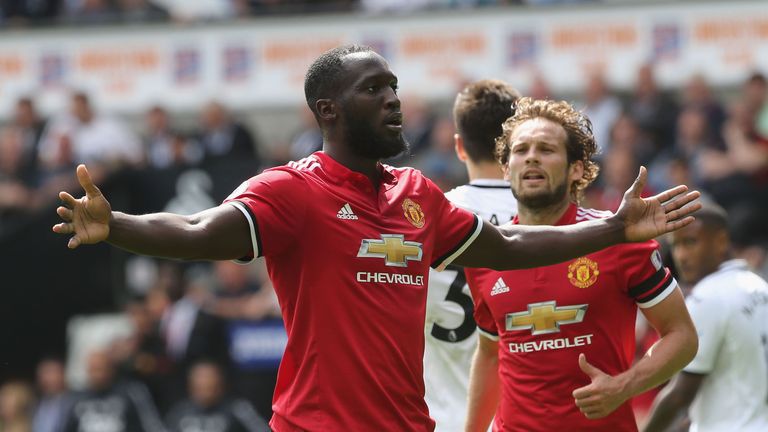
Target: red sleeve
<point>480,281</point>
<point>275,210</point>
<point>648,281</point>
<point>456,230</point>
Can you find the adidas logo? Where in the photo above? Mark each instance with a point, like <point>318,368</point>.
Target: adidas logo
<point>346,213</point>
<point>499,287</point>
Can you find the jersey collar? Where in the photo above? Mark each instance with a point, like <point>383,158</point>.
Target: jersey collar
<point>568,218</point>
<point>489,183</point>
<point>340,172</point>
<point>734,264</point>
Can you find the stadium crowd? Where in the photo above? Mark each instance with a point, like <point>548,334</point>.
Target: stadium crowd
<point>180,358</point>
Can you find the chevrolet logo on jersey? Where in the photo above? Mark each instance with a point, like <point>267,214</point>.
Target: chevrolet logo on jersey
<point>545,317</point>
<point>393,248</point>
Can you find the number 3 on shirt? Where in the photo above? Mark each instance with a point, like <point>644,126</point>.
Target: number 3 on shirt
<point>457,295</point>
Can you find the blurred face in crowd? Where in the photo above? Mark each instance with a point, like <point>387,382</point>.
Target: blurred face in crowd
<point>214,115</point>
<point>100,370</point>
<point>157,120</point>
<point>205,385</point>
<point>11,150</point>
<point>698,251</point>
<point>370,107</point>
<point>50,377</point>
<point>81,108</point>
<point>25,113</point>
<point>538,167</point>
<point>15,401</point>
<point>232,277</point>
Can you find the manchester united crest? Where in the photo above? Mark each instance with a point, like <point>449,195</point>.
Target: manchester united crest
<point>583,272</point>
<point>413,213</point>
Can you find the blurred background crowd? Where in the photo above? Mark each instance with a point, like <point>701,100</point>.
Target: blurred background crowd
<point>189,337</point>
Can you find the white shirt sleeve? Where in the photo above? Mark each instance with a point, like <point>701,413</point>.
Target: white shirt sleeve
<point>709,316</point>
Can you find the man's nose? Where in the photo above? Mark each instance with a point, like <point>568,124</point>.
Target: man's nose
<point>392,102</point>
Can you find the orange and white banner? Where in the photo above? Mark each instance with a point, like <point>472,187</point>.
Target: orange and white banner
<point>262,63</point>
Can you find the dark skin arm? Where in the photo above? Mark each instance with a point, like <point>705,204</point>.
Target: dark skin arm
<point>674,399</point>
<point>217,233</point>
<point>222,232</point>
<point>638,219</point>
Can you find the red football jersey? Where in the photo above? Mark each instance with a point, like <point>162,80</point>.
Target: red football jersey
<point>544,317</point>
<point>350,264</point>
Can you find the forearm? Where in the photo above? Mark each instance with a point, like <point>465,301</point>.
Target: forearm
<point>664,359</point>
<point>484,391</point>
<point>665,410</point>
<point>526,246</point>
<point>164,235</point>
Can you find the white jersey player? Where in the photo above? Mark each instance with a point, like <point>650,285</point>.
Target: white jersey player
<point>726,384</point>
<point>451,333</point>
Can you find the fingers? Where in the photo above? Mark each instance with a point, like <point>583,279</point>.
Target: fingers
<point>65,213</point>
<point>677,224</point>
<point>86,182</point>
<point>64,228</point>
<point>587,368</point>
<point>637,187</point>
<point>679,202</point>
<point>670,193</point>
<point>67,199</point>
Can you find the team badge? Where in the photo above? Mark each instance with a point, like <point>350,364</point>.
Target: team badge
<point>583,272</point>
<point>413,213</point>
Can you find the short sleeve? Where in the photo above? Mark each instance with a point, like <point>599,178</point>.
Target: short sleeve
<point>476,278</point>
<point>709,319</point>
<point>275,211</point>
<point>456,228</point>
<point>648,280</point>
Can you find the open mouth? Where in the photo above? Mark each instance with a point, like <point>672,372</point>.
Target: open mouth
<point>533,176</point>
<point>394,121</point>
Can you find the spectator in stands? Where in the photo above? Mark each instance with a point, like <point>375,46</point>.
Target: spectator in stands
<point>111,404</point>
<point>30,125</point>
<point>602,108</point>
<point>209,409</point>
<point>16,194</point>
<point>89,12</point>
<point>654,111</point>
<point>163,146</point>
<point>438,161</point>
<point>698,95</point>
<point>248,305</point>
<point>230,151</point>
<point>618,168</point>
<point>16,402</point>
<point>54,402</point>
<point>306,140</point>
<point>141,356</point>
<point>539,88</point>
<point>83,135</point>
<point>21,12</point>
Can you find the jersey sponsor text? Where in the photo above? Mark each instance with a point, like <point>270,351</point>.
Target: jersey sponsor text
<point>550,344</point>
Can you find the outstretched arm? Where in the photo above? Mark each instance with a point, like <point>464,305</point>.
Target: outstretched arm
<point>217,233</point>
<point>638,219</point>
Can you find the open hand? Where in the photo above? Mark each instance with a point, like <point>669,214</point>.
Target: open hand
<point>602,396</point>
<point>88,217</point>
<point>646,218</point>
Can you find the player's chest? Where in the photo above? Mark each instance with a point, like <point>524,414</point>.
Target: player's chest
<point>593,280</point>
<point>385,229</point>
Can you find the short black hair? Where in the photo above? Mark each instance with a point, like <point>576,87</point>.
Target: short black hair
<point>324,76</point>
<point>478,113</point>
<point>712,217</point>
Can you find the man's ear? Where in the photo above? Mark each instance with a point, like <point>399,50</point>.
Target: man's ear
<point>458,146</point>
<point>576,170</point>
<point>326,109</point>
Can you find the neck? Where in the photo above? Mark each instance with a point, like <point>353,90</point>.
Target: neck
<point>484,170</point>
<point>542,216</point>
<point>365,166</point>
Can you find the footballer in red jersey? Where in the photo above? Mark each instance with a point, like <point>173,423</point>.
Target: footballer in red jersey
<point>557,342</point>
<point>355,308</point>
<point>348,242</point>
